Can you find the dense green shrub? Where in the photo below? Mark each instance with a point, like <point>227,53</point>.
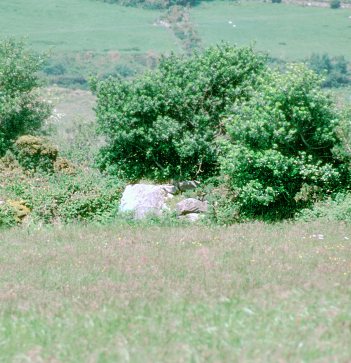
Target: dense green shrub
<point>21,110</point>
<point>334,70</point>
<point>280,157</point>
<point>335,4</point>
<point>164,124</point>
<point>337,208</point>
<point>62,197</point>
<point>35,153</point>
<point>76,198</point>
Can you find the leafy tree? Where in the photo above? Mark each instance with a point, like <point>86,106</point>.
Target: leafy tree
<point>164,124</point>
<point>280,156</point>
<point>21,110</point>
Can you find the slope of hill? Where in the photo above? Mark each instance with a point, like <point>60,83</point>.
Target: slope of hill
<point>80,25</point>
<point>89,36</point>
<point>289,32</point>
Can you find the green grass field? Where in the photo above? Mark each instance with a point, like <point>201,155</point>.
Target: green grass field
<point>83,25</point>
<point>85,37</point>
<point>249,293</point>
<point>285,31</point>
<point>342,96</point>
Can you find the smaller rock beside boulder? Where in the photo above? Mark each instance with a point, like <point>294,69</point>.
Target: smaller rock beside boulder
<point>191,205</point>
<point>170,188</point>
<point>187,185</point>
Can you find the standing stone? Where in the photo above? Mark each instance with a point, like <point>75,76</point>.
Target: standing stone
<point>143,200</point>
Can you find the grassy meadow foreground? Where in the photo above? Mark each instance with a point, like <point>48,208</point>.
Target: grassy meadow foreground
<point>251,292</point>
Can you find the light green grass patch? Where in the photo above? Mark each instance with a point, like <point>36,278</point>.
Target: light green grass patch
<point>253,293</point>
<point>284,31</point>
<point>84,25</point>
<point>342,96</point>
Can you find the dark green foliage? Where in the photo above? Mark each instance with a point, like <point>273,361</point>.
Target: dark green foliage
<point>61,197</point>
<point>54,68</point>
<point>21,110</point>
<point>335,4</point>
<point>280,157</point>
<point>276,1</point>
<point>73,70</point>
<point>124,71</point>
<point>335,70</point>
<point>164,124</point>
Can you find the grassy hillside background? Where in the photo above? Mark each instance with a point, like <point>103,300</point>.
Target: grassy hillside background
<point>83,25</point>
<point>90,36</point>
<point>288,32</point>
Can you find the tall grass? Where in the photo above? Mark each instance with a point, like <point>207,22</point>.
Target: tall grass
<point>253,293</point>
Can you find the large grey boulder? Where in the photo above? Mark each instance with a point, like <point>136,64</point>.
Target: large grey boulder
<point>191,205</point>
<point>143,200</point>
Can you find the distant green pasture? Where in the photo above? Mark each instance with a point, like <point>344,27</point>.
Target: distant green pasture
<point>84,25</point>
<point>285,31</point>
<point>90,36</point>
